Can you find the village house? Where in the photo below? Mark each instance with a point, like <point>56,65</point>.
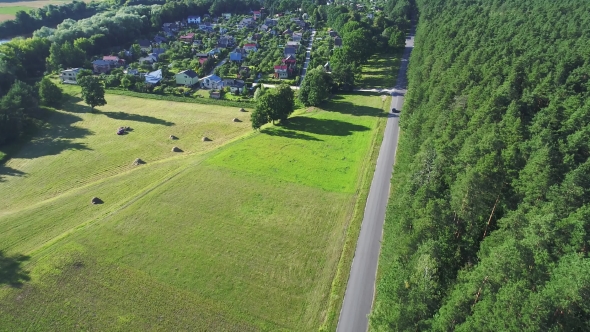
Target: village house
<point>132,72</point>
<point>235,57</point>
<point>69,75</point>
<point>297,36</point>
<point>333,33</point>
<point>211,82</point>
<point>101,66</point>
<point>188,38</point>
<point>206,26</point>
<point>225,42</point>
<point>194,19</point>
<point>294,44</point>
<point>290,62</point>
<point>150,59</point>
<point>197,43</point>
<point>256,14</point>
<point>215,94</point>
<point>271,22</point>
<point>250,47</point>
<point>222,30</point>
<point>226,16</point>
<point>264,27</point>
<point>289,50</point>
<point>153,78</point>
<point>170,26</point>
<point>187,77</point>
<point>235,86</point>
<point>159,40</point>
<point>114,61</point>
<point>281,71</point>
<point>288,32</point>
<point>337,42</point>
<point>145,45</point>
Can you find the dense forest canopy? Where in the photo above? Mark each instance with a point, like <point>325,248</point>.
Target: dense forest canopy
<point>488,223</point>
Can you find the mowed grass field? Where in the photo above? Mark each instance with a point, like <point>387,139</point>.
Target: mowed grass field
<point>243,233</point>
<point>380,71</point>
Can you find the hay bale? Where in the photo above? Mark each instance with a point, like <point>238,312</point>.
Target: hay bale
<point>242,110</point>
<point>176,149</point>
<point>172,137</point>
<point>138,162</point>
<point>205,139</point>
<point>96,200</point>
<point>236,120</point>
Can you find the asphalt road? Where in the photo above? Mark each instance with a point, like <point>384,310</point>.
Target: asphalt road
<point>307,56</point>
<point>360,290</point>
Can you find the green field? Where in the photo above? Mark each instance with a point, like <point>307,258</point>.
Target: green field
<point>380,71</point>
<point>243,233</point>
<point>11,10</point>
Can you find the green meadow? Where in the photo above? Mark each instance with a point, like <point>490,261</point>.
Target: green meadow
<point>242,233</point>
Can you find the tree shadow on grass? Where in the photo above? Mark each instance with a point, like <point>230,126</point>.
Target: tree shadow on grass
<point>345,107</point>
<point>135,117</point>
<point>11,272</point>
<point>288,134</point>
<point>72,106</point>
<point>56,138</point>
<point>323,126</point>
<point>6,171</point>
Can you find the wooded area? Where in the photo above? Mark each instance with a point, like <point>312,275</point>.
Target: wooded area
<point>488,223</point>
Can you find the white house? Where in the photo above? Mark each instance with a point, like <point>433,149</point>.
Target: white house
<point>69,75</point>
<point>211,82</point>
<point>187,77</point>
<point>194,20</point>
<point>226,16</point>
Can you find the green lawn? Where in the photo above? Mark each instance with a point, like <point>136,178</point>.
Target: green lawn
<point>380,71</point>
<point>243,233</point>
<point>11,10</point>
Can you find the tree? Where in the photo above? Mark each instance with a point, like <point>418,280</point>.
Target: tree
<point>258,118</point>
<point>92,91</point>
<point>343,70</point>
<point>259,91</point>
<point>49,93</point>
<point>285,100</point>
<point>315,88</point>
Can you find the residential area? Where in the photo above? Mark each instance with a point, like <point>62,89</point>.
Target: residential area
<point>204,56</point>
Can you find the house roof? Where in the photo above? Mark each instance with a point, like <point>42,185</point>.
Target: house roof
<point>188,36</point>
<point>154,77</point>
<point>213,78</point>
<point>250,45</point>
<point>290,50</point>
<point>283,67</point>
<point>189,72</point>
<point>110,58</point>
<point>338,41</point>
<point>235,56</point>
<point>202,60</point>
<point>144,43</point>
<point>100,63</point>
<point>256,12</point>
<point>202,55</point>
<point>194,17</point>
<point>293,43</point>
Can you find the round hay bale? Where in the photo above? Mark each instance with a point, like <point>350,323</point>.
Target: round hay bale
<point>205,139</point>
<point>236,120</point>
<point>138,162</point>
<point>176,149</point>
<point>96,200</point>
<point>242,110</point>
<point>172,137</point>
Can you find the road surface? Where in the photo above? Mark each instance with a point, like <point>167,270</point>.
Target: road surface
<point>307,56</point>
<point>360,290</point>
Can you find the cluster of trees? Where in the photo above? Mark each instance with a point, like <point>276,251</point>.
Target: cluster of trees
<point>18,107</point>
<point>361,36</point>
<point>488,226</point>
<point>316,87</point>
<point>272,105</point>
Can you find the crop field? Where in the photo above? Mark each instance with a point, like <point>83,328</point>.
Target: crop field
<point>379,72</point>
<point>243,233</point>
